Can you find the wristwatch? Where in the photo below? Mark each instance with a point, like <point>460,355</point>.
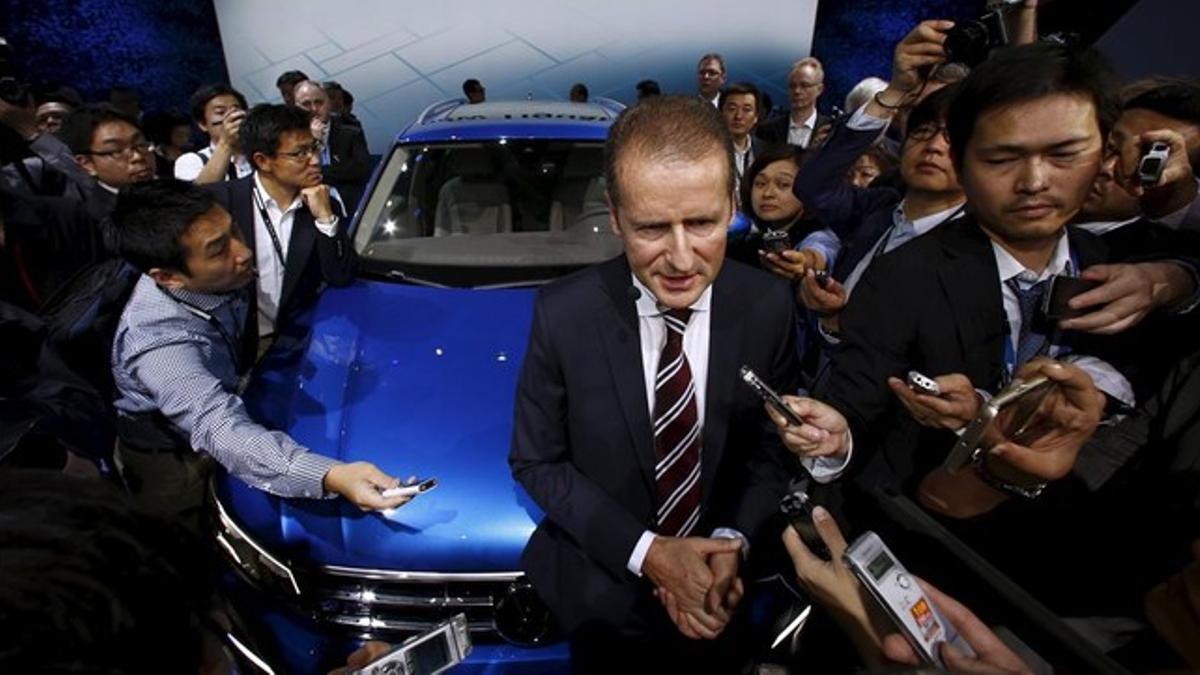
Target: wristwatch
<point>987,474</point>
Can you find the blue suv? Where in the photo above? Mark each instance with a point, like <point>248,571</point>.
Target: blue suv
<point>414,368</point>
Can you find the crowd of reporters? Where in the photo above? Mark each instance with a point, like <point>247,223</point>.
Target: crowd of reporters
<point>916,231</point>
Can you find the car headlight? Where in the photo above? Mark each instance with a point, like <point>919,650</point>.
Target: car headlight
<point>521,616</point>
<point>254,561</point>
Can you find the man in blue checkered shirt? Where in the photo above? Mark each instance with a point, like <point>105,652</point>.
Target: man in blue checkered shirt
<point>175,365</point>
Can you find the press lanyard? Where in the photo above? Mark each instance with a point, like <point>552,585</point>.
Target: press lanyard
<point>1010,349</point>
<point>215,323</point>
<point>266,218</point>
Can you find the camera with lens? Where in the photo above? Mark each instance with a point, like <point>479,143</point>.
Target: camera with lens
<point>969,42</point>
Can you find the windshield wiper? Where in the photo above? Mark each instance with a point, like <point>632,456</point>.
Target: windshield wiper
<point>400,275</point>
<point>510,284</point>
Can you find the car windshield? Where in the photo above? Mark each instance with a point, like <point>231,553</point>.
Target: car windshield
<point>490,214</point>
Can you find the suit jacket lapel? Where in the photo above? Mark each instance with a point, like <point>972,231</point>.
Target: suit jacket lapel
<point>618,328</point>
<point>724,353</point>
<point>300,245</point>
<point>970,280</point>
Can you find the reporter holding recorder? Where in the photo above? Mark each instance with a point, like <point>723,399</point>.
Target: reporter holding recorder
<point>176,364</point>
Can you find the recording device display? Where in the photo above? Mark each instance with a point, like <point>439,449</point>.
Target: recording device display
<point>1150,166</point>
<point>1019,401</point>
<point>969,42</point>
<point>769,396</point>
<point>433,652</point>
<point>797,508</point>
<point>776,241</point>
<point>923,384</point>
<point>410,490</point>
<point>1062,289</point>
<point>899,594</point>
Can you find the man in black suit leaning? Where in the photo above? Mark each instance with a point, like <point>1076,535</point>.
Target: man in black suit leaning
<point>799,126</point>
<point>288,218</point>
<point>960,304</point>
<point>345,159</point>
<point>654,465</point>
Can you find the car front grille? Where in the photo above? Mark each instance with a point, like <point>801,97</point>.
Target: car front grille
<point>391,605</point>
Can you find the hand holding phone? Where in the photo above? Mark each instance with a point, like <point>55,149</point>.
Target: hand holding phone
<point>769,396</point>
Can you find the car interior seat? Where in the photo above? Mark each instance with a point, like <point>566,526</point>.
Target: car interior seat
<point>474,200</point>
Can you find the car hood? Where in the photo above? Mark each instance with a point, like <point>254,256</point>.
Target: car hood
<point>420,382</point>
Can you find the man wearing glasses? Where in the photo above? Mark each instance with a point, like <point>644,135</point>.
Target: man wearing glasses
<point>110,147</point>
<point>289,219</point>
<point>710,77</point>
<point>805,84</point>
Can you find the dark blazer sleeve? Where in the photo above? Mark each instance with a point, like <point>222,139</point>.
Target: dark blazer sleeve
<point>339,262</point>
<point>770,466</point>
<point>879,326</point>
<point>351,162</point>
<point>540,456</point>
<point>774,130</point>
<point>821,183</point>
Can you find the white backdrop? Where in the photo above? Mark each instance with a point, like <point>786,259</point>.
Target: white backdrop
<point>397,56</point>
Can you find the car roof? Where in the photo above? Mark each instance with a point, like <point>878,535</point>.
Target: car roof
<point>456,120</point>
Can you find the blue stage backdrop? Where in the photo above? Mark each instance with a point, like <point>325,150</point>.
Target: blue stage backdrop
<point>164,49</point>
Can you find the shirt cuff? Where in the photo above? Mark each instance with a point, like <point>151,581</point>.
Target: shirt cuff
<point>328,227</point>
<point>730,533</point>
<point>309,470</point>
<point>830,338</point>
<point>861,120</point>
<point>827,469</point>
<point>639,553</point>
<point>1186,306</point>
<point>1106,378</point>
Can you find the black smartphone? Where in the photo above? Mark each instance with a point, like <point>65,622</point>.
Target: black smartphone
<point>769,396</point>
<point>797,508</point>
<point>1062,289</point>
<point>822,277</point>
<point>1150,166</point>
<point>776,241</point>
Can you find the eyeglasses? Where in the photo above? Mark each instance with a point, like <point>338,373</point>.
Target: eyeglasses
<point>928,131</point>
<point>303,153</point>
<point>125,153</point>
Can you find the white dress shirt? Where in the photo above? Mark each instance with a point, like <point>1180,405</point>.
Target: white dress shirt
<point>801,134</point>
<point>743,157</point>
<point>266,258</point>
<point>652,333</point>
<point>1106,378</point>
<point>189,165</point>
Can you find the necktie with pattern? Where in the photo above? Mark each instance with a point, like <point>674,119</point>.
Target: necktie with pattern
<point>676,434</point>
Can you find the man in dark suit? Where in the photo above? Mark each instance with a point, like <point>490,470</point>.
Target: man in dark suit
<point>960,303</point>
<point>799,126</point>
<point>653,464</point>
<point>740,105</point>
<point>345,160</point>
<point>286,214</point>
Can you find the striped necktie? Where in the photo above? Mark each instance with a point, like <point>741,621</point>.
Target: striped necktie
<point>676,434</point>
